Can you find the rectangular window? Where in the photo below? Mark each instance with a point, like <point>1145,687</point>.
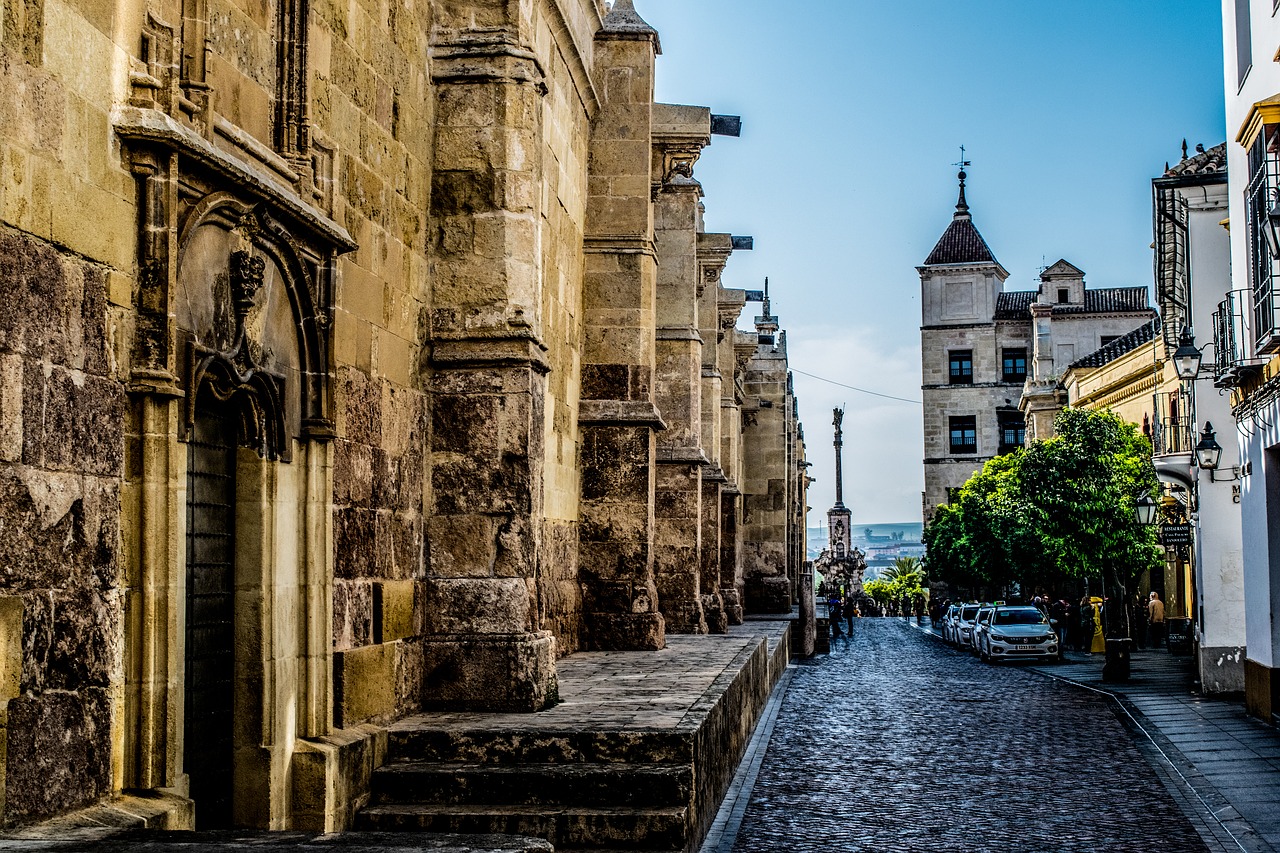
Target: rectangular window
<point>964,434</point>
<point>1064,296</point>
<point>962,367</point>
<point>1258,203</point>
<point>1014,365</point>
<point>1244,41</point>
<point>1013,431</point>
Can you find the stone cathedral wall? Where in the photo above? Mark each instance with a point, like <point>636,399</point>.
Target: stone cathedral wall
<point>361,226</point>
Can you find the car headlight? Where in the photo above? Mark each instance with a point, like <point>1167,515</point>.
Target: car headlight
<point>1000,638</point>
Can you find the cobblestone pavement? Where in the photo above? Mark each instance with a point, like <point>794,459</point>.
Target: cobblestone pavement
<point>895,741</point>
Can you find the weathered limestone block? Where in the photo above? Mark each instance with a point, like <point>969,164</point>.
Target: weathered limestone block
<point>713,606</point>
<point>559,586</point>
<point>731,577</point>
<point>619,602</point>
<point>365,684</point>
<point>55,305</point>
<point>394,614</point>
<point>59,753</point>
<point>677,511</point>
<point>501,672</point>
<point>331,777</point>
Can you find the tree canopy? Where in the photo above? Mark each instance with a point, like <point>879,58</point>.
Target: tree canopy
<point>1061,508</point>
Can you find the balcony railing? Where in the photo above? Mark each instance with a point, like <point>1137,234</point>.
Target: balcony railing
<point>1172,430</point>
<point>1232,359</point>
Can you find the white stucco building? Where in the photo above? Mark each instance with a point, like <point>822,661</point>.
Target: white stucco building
<point>1247,335</point>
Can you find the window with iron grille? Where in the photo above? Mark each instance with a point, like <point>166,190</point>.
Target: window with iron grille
<point>1013,431</point>
<point>964,434</point>
<point>962,367</point>
<point>1259,199</point>
<point>1013,367</point>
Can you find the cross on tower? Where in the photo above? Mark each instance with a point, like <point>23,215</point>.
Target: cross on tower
<point>963,164</point>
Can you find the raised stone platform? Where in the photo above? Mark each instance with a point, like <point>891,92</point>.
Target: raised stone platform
<point>638,755</point>
<point>150,841</point>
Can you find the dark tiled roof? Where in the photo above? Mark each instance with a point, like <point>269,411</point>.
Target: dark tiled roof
<point>1113,350</point>
<point>961,244</point>
<point>1109,300</point>
<point>1203,162</point>
<point>1014,305</point>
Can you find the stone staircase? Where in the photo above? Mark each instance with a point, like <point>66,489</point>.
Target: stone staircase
<point>579,790</point>
<point>639,760</point>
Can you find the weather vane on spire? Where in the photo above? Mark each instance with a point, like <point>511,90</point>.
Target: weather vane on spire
<point>962,206</point>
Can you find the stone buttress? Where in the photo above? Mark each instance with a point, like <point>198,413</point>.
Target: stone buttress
<point>617,415</point>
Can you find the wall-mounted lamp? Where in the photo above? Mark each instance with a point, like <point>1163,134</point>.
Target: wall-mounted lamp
<point>1208,454</point>
<point>1208,451</point>
<point>1187,358</point>
<point>1146,510</point>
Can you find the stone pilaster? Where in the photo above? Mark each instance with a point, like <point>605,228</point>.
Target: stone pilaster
<point>767,479</point>
<point>484,648</point>
<point>617,415</point>
<point>731,579</point>
<point>713,254</point>
<point>680,133</point>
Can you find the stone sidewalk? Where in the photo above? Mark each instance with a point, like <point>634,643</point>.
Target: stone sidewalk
<point>1221,764</point>
<point>1221,758</point>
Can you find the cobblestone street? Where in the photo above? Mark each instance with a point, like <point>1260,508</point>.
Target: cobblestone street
<point>896,741</point>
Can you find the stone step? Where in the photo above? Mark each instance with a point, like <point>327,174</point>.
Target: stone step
<point>419,742</point>
<point>567,828</point>
<point>635,785</point>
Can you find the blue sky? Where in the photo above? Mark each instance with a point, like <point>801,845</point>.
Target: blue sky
<point>853,114</point>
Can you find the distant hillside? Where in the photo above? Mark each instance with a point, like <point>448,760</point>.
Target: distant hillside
<point>902,538</point>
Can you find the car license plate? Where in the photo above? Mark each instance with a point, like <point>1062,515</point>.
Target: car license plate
<point>1027,648</point>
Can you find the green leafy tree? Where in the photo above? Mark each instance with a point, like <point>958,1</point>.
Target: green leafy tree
<point>1061,508</point>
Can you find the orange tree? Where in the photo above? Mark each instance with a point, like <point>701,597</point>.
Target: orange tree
<point>1061,508</point>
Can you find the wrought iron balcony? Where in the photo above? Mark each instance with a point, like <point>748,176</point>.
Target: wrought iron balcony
<point>1232,359</point>
<point>1171,430</point>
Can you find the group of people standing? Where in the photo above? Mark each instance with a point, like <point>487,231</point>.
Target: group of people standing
<point>1083,627</point>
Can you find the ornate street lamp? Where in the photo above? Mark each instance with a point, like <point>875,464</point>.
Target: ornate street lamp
<point>1186,358</point>
<point>1208,451</point>
<point>1147,510</point>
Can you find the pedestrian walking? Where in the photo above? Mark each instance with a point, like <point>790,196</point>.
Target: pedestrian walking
<point>850,611</point>
<point>835,612</point>
<point>1155,617</point>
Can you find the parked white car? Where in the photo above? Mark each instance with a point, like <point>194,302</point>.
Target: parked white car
<point>1016,631</point>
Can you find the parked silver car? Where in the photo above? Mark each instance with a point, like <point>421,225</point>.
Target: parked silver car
<point>979,621</point>
<point>962,632</point>
<point>1016,631</point>
<point>947,625</point>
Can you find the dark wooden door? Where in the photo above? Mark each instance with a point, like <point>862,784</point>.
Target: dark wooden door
<point>210,657</point>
